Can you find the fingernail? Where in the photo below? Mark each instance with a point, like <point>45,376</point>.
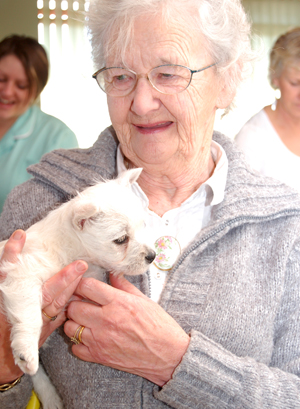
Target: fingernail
<point>17,235</point>
<point>80,267</point>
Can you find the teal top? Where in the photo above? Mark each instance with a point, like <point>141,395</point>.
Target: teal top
<point>32,135</point>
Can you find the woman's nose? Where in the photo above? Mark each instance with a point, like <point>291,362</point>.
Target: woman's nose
<point>7,88</point>
<point>144,98</point>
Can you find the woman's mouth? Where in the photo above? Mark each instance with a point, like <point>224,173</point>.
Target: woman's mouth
<point>6,102</point>
<point>153,128</point>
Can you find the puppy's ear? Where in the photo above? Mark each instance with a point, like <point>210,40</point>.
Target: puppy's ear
<point>83,212</point>
<point>129,176</point>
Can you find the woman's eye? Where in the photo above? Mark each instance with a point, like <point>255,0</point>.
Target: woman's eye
<point>122,81</point>
<point>121,78</point>
<point>23,86</point>
<point>164,76</point>
<point>122,240</point>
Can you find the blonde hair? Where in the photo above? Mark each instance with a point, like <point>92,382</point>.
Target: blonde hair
<point>285,52</point>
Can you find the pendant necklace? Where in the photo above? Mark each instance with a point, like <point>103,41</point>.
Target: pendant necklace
<point>167,251</point>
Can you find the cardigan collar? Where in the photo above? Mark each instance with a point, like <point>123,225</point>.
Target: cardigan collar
<point>70,171</point>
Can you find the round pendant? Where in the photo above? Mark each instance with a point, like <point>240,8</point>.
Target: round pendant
<point>167,251</point>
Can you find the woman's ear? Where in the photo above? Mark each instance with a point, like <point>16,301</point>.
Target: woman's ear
<point>225,97</point>
<point>275,82</point>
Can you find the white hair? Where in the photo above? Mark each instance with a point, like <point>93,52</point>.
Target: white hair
<point>223,24</point>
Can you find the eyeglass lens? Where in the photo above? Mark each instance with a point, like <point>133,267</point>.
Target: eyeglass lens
<point>168,79</point>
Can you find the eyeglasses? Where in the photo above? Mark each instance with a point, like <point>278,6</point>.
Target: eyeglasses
<point>168,79</point>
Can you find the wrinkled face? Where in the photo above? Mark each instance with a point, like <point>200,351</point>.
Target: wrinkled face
<point>289,85</point>
<point>14,89</point>
<point>153,128</point>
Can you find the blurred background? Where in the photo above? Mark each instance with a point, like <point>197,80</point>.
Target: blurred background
<point>73,95</point>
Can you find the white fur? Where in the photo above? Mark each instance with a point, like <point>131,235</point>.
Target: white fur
<point>88,227</point>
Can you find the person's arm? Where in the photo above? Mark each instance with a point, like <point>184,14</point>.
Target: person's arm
<point>64,138</point>
<point>56,293</point>
<point>128,332</point>
<point>27,204</point>
<point>51,133</point>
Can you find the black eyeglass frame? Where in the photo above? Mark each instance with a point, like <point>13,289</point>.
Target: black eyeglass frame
<point>147,76</point>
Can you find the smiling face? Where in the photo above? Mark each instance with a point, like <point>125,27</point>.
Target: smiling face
<point>289,85</point>
<point>169,132</point>
<point>15,95</point>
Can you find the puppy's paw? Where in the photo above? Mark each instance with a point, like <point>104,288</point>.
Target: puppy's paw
<point>27,361</point>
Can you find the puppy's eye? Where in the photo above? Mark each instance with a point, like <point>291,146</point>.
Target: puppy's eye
<point>122,240</point>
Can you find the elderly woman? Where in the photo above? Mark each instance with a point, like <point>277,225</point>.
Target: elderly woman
<point>272,135</point>
<point>217,324</point>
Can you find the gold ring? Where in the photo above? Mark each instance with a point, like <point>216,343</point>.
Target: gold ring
<point>48,316</point>
<point>78,334</point>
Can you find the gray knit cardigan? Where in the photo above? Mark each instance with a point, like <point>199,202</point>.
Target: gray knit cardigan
<point>235,290</point>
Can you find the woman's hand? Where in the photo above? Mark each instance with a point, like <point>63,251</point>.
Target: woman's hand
<point>56,293</point>
<point>9,371</point>
<point>125,330</point>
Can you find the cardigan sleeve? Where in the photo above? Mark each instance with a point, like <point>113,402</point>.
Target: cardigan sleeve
<point>210,376</point>
<point>27,204</point>
<point>18,396</point>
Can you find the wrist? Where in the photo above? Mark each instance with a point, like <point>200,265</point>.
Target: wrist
<point>9,385</point>
<point>178,351</point>
<point>11,376</point>
<point>9,370</point>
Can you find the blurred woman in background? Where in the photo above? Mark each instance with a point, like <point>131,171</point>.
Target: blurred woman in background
<point>271,138</point>
<point>26,133</point>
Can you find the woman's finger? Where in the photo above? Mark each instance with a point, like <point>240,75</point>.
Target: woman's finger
<point>120,282</point>
<point>9,370</point>
<point>96,291</point>
<point>85,313</point>
<point>13,248</point>
<point>102,293</point>
<point>58,290</point>
<point>78,333</point>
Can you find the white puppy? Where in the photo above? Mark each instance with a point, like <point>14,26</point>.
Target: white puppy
<point>103,225</point>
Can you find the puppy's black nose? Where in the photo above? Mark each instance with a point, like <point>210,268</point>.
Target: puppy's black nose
<point>150,256</point>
